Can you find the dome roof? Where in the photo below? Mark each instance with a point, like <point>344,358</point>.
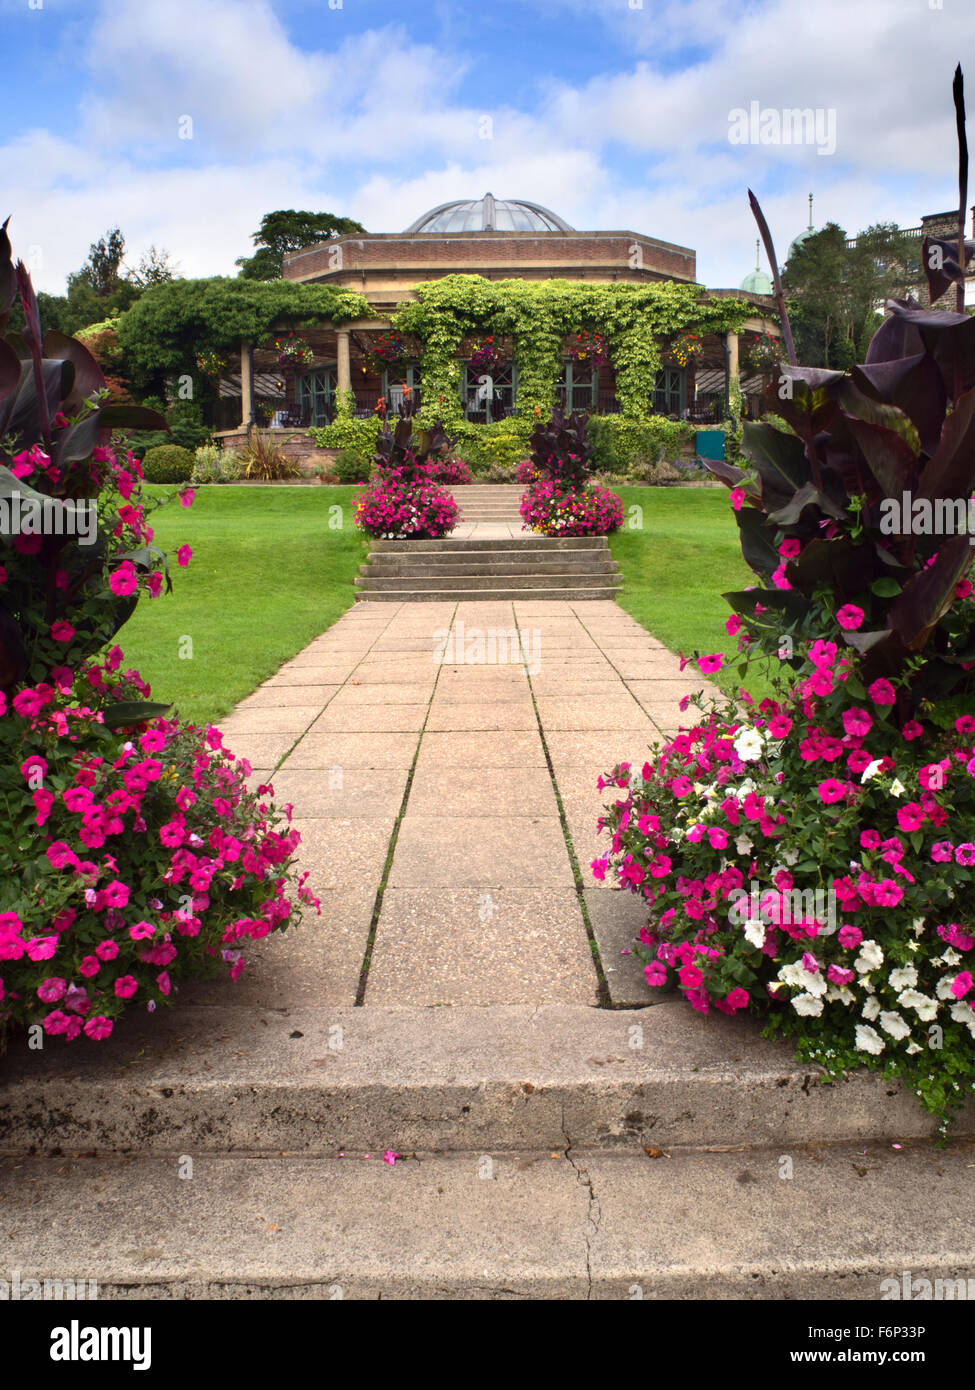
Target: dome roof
<point>757,282</point>
<point>803,236</point>
<point>489,214</point>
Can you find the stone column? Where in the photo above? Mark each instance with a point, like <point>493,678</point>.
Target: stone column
<point>246,385</point>
<point>731,370</point>
<point>344,381</point>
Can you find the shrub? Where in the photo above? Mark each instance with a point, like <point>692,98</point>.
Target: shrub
<point>167,463</point>
<point>498,473</point>
<point>346,432</point>
<point>554,510</point>
<point>213,465</point>
<point>351,467</point>
<point>265,460</point>
<point>621,445</point>
<point>133,853</point>
<point>182,425</point>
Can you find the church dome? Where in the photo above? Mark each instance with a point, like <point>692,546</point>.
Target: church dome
<point>489,214</point>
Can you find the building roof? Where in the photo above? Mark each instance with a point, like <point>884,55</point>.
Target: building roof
<point>489,214</point>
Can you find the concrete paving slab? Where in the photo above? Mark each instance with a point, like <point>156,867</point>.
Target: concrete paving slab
<point>480,851</point>
<point>454,717</point>
<point>371,718</point>
<point>272,696</point>
<point>355,696</point>
<point>358,791</point>
<point>331,844</point>
<point>616,918</point>
<point>321,752</point>
<point>482,791</point>
<point>517,748</point>
<point>282,719</point>
<point>262,751</point>
<point>616,711</point>
<point>480,946</point>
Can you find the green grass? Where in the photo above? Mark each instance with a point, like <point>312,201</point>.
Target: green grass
<point>677,565</point>
<point>267,575</point>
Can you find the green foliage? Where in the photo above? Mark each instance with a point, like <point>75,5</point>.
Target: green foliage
<point>185,427</point>
<point>538,316</point>
<point>348,433</point>
<point>290,231</point>
<point>502,444</point>
<point>264,458</point>
<point>167,463</point>
<point>214,465</point>
<point>620,444</point>
<point>351,466</point>
<point>832,289</point>
<point>163,333</point>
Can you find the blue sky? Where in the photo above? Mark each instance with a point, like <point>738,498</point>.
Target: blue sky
<point>614,113</point>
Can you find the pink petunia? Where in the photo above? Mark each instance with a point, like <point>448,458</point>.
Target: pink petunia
<point>961,984</point>
<point>98,1027</point>
<point>126,986</point>
<point>857,722</point>
<point>124,580</point>
<point>62,631</point>
<point>831,790</point>
<point>882,693</point>
<point>184,555</point>
<point>850,617</point>
<point>737,498</point>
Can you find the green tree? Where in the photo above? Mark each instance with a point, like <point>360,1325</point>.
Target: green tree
<point>102,271</point>
<point>290,231</point>
<point>837,291</point>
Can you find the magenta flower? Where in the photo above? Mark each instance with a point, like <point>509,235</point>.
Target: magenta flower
<point>857,722</point>
<point>965,854</point>
<point>710,664</point>
<point>850,617</point>
<point>124,580</point>
<point>831,790</point>
<point>98,1027</point>
<point>737,498</point>
<point>849,937</point>
<point>184,555</point>
<point>126,986</point>
<point>942,852</point>
<point>961,984</point>
<point>51,989</point>
<point>911,730</point>
<point>882,692</point>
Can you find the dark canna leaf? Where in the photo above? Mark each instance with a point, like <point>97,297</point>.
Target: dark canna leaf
<point>779,459</point>
<point>786,602</point>
<point>951,472</point>
<point>131,417</point>
<point>806,496</point>
<point>133,712</point>
<point>928,595</point>
<point>940,257</point>
<point>914,385</point>
<point>757,541</point>
<point>891,460</point>
<point>8,277</point>
<point>88,375</point>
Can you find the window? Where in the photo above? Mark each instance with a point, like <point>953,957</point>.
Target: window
<point>670,391</point>
<point>502,388</point>
<point>395,379</point>
<point>577,386</point>
<point>316,394</point>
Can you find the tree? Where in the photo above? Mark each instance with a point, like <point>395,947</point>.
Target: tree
<point>154,268</point>
<point>290,231</point>
<point>102,271</point>
<point>837,291</point>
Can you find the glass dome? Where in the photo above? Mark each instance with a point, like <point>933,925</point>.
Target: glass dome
<point>489,214</point>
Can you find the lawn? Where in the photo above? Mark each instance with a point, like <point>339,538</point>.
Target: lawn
<point>676,566</point>
<point>267,575</point>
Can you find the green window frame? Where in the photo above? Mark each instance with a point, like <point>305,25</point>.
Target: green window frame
<point>315,392</point>
<point>406,374</point>
<point>505,389</point>
<point>578,385</point>
<point>670,392</point>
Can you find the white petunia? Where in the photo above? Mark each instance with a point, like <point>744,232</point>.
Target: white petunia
<point>923,1005</point>
<point>911,1048</point>
<point>897,787</point>
<point>869,1040</point>
<point>893,1024</point>
<point>840,992</point>
<point>871,1009</point>
<point>902,978</point>
<point>790,856</point>
<point>807,1005</point>
<point>744,845</point>
<point>943,988</point>
<point>963,1013</point>
<point>749,745</point>
<point>755,932</point>
<point>871,770</point>
<point>869,958</point>
<point>950,957</point>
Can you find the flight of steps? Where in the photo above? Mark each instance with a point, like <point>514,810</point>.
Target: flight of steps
<point>531,1151</point>
<point>535,567</point>
<point>489,564</point>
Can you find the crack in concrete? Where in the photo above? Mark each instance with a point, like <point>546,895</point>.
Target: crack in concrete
<point>594,1212</point>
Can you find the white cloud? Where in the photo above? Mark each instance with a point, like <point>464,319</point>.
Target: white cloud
<point>371,125</point>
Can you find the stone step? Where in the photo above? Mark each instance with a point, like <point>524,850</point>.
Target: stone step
<point>550,1224</point>
<point>528,543</point>
<point>589,562</point>
<point>458,594</point>
<point>218,1078</point>
<point>488,581</point>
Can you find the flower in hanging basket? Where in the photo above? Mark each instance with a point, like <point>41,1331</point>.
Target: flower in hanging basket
<point>210,363</point>
<point>589,349</point>
<point>294,353</point>
<point>762,352</point>
<point>686,347</point>
<point>387,350</point>
<point>486,358</point>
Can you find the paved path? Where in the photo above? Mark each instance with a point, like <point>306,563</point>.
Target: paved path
<point>448,808</point>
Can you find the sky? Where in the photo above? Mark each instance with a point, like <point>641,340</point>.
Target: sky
<point>184,121</point>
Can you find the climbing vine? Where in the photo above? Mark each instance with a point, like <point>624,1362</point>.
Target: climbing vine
<point>637,321</point>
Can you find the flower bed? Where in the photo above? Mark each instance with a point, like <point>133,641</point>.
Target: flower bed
<point>552,510</point>
<point>133,854</point>
<point>812,858</point>
<point>405,500</point>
